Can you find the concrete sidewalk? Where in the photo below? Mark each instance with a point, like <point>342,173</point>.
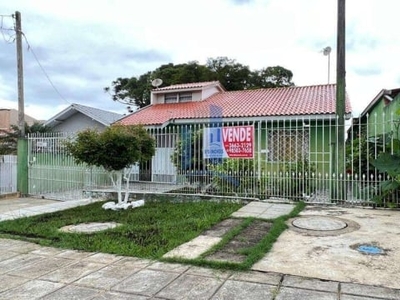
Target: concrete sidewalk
<point>30,271</point>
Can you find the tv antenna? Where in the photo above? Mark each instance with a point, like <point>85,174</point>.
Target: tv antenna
<point>156,82</point>
<point>327,52</point>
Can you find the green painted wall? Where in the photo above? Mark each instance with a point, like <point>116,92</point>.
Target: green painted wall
<point>383,118</point>
<point>22,168</point>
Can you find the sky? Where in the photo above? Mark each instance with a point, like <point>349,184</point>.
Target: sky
<point>73,49</point>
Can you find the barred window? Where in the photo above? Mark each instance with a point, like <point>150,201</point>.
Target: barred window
<point>288,145</point>
<point>171,97</point>
<point>185,97</point>
<point>178,97</point>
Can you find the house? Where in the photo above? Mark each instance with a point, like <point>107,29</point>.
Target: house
<point>273,127</point>
<point>382,114</point>
<point>9,117</point>
<point>77,117</point>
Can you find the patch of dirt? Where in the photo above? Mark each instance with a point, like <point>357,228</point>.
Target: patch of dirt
<point>234,250</point>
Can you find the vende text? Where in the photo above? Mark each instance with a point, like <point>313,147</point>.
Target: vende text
<point>237,134</point>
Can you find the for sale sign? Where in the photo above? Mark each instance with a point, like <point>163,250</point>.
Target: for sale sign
<point>228,142</point>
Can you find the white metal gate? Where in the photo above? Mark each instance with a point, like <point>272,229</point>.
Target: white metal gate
<point>8,174</point>
<point>52,172</point>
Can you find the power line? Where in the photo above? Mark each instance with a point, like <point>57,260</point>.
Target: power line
<point>11,39</point>
<point>43,70</point>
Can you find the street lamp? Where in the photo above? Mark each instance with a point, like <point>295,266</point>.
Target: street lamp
<point>327,52</point>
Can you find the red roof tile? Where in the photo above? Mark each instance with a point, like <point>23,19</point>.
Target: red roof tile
<point>288,101</point>
<point>188,86</point>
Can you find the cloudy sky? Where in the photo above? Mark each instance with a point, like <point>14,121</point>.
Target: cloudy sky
<point>73,49</point>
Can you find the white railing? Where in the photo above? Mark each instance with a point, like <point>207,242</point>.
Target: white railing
<point>8,174</point>
<point>297,159</point>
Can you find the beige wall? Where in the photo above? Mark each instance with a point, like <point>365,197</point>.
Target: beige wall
<point>197,95</point>
<point>9,117</point>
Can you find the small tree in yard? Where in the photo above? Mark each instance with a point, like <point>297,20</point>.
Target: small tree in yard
<point>116,149</point>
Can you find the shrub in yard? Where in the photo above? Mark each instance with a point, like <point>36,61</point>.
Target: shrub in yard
<point>116,149</point>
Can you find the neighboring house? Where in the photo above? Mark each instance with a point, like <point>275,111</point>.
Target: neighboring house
<point>9,117</point>
<point>381,116</point>
<point>287,125</point>
<point>78,117</point>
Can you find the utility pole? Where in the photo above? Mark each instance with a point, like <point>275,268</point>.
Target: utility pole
<point>22,147</point>
<point>20,70</point>
<point>341,98</point>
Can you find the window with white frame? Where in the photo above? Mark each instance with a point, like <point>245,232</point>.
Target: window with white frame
<point>178,97</point>
<point>288,145</point>
<point>185,97</point>
<point>171,98</point>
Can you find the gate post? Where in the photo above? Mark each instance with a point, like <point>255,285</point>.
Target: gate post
<point>22,166</point>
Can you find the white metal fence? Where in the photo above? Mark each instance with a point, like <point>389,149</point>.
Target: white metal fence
<point>8,174</point>
<point>296,159</point>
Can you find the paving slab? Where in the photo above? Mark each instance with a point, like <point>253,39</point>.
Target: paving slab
<point>17,246</point>
<point>260,277</point>
<point>103,258</point>
<point>240,290</point>
<point>8,282</point>
<point>263,210</point>
<point>34,289</point>
<point>72,292</point>
<point>133,262</point>
<point>200,271</point>
<point>72,272</point>
<point>287,293</point>
<point>42,267</point>
<point>146,282</point>
<point>194,248</point>
<point>74,254</point>
<point>7,205</point>
<point>370,291</point>
<point>178,268</point>
<point>4,255</point>
<point>109,295</point>
<point>310,283</point>
<point>349,297</point>
<point>106,277</point>
<point>18,262</point>
<point>191,287</point>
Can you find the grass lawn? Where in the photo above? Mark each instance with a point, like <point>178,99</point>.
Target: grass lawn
<point>149,231</point>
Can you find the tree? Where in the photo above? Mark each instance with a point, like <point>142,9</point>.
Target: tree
<point>132,91</point>
<point>9,138</point>
<point>232,75</point>
<point>116,149</point>
<point>272,77</point>
<point>135,91</point>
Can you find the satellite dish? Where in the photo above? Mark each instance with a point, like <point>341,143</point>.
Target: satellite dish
<point>327,50</point>
<point>156,82</point>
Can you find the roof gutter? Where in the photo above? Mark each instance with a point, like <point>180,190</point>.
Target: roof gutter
<point>326,117</point>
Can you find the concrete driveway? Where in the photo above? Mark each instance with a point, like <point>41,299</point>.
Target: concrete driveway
<point>335,249</point>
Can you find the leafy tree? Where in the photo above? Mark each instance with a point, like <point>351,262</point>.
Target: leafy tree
<point>232,75</point>
<point>182,73</point>
<point>9,138</point>
<point>116,149</point>
<point>272,77</point>
<point>135,91</point>
<point>132,91</point>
